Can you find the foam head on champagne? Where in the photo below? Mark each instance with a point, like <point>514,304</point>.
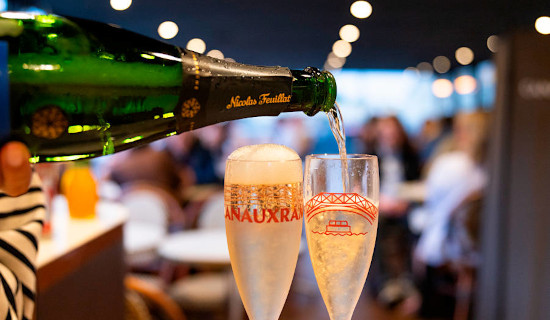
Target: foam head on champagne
<point>264,164</point>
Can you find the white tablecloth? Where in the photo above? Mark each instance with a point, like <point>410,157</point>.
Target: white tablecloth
<point>207,246</point>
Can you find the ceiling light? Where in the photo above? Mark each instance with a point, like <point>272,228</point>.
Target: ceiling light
<point>543,25</point>
<point>349,33</point>
<point>492,43</point>
<point>442,88</point>
<point>465,84</point>
<point>341,48</point>
<point>121,5</point>
<point>361,9</point>
<point>196,45</point>
<point>334,61</point>
<point>464,55</point>
<point>442,64</point>
<point>411,71</point>
<point>424,67</point>
<point>168,30</point>
<point>215,54</point>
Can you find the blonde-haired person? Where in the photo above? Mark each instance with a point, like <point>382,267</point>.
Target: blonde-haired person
<point>453,178</point>
<point>21,215</point>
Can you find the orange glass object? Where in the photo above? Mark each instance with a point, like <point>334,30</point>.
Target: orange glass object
<point>79,187</point>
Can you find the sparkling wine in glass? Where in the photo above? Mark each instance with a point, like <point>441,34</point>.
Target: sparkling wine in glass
<point>263,218</point>
<point>341,226</point>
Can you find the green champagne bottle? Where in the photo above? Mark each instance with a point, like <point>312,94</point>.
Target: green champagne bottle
<point>80,89</point>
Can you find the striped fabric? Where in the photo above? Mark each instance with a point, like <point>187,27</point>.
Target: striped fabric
<point>20,225</point>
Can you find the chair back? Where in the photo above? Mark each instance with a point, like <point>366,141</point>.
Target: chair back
<point>212,213</point>
<point>144,206</point>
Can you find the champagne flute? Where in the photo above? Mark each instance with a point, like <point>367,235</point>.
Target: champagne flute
<point>341,224</point>
<point>263,220</point>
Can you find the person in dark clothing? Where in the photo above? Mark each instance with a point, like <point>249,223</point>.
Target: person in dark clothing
<point>398,162</point>
<point>188,151</point>
<point>367,137</point>
<point>147,165</point>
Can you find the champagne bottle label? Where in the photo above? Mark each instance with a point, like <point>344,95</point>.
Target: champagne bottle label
<point>4,91</point>
<point>215,91</point>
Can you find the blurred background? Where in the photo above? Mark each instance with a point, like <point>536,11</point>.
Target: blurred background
<point>417,86</point>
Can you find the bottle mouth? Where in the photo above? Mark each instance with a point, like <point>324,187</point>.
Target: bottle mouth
<point>330,98</point>
<point>326,91</point>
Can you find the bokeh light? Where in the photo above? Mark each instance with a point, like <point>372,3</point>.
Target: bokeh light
<point>215,54</point>
<point>341,48</point>
<point>442,88</point>
<point>361,9</point>
<point>442,64</point>
<point>335,62</point>
<point>168,29</point>
<point>492,43</point>
<point>543,25</point>
<point>464,55</point>
<point>425,68</point>
<point>349,33</point>
<point>465,84</point>
<point>196,45</point>
<point>121,5</point>
<point>411,71</point>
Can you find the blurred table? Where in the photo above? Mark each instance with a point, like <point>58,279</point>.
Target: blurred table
<point>80,265</point>
<point>197,247</point>
<point>141,238</point>
<point>203,247</point>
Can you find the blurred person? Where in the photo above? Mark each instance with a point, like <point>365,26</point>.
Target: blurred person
<point>398,163</point>
<point>449,236</point>
<point>145,164</point>
<point>196,165</point>
<point>215,139</point>
<point>21,212</point>
<point>367,137</point>
<point>398,159</point>
<point>147,169</point>
<point>189,152</point>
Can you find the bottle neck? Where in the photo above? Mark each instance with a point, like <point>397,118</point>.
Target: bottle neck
<point>312,91</point>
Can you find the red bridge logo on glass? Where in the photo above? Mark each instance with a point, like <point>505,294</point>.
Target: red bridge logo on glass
<point>351,203</point>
